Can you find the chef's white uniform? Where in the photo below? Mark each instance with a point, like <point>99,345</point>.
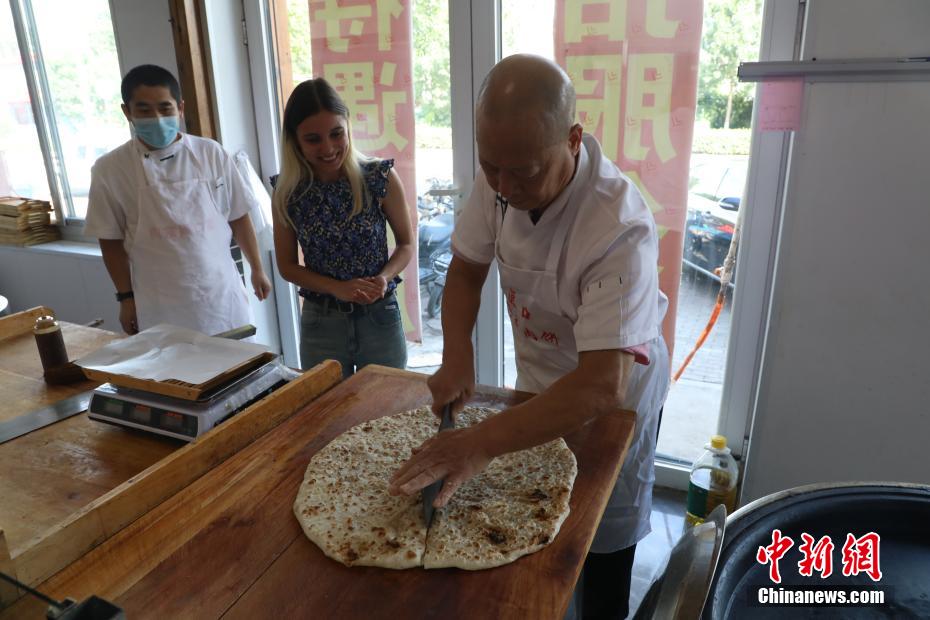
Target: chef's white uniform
<point>583,278</point>
<point>172,208</point>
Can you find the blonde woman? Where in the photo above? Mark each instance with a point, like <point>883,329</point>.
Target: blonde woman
<point>335,204</point>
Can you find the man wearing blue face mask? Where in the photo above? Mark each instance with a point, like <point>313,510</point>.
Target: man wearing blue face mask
<point>165,207</point>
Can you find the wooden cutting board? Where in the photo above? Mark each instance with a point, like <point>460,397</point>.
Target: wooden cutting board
<point>229,545</point>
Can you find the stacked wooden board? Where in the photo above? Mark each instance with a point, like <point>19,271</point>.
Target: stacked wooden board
<point>24,221</point>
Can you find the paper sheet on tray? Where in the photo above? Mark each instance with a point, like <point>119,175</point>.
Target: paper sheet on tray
<point>168,352</point>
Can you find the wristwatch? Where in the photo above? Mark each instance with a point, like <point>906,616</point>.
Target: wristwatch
<point>124,296</point>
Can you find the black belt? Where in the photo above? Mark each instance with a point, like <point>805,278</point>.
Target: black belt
<point>343,307</point>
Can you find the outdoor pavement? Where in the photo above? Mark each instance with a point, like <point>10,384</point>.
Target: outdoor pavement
<point>693,404</point>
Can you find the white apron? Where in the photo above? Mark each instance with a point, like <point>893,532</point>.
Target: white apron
<point>182,271</point>
<point>544,343</point>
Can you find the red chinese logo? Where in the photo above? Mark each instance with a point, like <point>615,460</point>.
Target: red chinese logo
<point>773,553</point>
<point>550,338</point>
<point>860,555</point>
<point>817,557</point>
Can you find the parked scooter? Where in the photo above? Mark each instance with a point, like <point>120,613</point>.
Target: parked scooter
<point>434,247</point>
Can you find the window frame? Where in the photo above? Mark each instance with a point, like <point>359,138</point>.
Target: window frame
<point>43,113</point>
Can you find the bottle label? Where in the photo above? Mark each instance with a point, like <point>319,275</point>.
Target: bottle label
<point>697,500</point>
<point>701,501</point>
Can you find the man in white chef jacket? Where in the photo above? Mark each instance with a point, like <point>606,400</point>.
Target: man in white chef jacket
<point>165,206</point>
<point>577,252</point>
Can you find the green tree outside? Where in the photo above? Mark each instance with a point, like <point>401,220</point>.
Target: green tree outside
<point>731,35</point>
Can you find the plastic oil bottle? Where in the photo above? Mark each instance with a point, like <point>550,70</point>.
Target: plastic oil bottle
<point>713,481</point>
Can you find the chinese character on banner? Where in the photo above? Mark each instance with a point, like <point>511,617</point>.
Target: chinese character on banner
<point>860,555</point>
<point>773,553</point>
<point>364,49</point>
<point>817,557</point>
<point>634,65</point>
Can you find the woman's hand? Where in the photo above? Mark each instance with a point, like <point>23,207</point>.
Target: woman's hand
<point>381,282</point>
<point>358,290</point>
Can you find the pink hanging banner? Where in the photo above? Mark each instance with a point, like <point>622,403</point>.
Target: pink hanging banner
<point>364,49</point>
<point>634,64</point>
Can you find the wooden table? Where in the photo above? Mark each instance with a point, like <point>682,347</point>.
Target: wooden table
<point>70,486</point>
<point>229,545</point>
<point>52,472</point>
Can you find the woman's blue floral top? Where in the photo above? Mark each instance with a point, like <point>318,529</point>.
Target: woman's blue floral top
<point>334,245</point>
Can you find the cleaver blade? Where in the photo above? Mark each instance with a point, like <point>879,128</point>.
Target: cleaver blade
<point>430,492</point>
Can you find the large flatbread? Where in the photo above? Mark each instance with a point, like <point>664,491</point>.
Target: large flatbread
<point>343,505</point>
<point>513,508</point>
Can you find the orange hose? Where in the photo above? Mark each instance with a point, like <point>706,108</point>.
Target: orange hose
<point>700,341</point>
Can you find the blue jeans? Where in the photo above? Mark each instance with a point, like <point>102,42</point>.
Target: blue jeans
<point>352,334</point>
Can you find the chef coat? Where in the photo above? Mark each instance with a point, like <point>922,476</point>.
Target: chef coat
<point>584,277</point>
<point>171,207</point>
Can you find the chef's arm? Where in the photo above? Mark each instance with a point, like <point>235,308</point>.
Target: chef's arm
<point>461,297</point>
<point>596,387</point>
<point>116,260</point>
<point>244,234</point>
<point>454,382</point>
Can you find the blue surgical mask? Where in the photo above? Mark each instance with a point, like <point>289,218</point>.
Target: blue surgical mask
<point>159,131</point>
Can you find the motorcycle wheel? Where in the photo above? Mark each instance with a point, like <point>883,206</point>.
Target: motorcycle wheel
<point>434,304</point>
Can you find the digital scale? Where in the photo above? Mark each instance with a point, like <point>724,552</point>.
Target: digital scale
<point>185,419</point>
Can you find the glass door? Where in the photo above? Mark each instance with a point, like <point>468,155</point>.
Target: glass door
<point>391,64</point>
<point>628,62</point>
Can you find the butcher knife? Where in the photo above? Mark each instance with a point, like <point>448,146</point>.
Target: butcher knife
<point>28,422</point>
<point>430,492</point>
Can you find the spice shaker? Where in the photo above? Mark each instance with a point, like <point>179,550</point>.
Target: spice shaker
<point>50,342</point>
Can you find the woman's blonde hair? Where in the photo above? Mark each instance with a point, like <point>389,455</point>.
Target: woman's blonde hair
<point>309,98</point>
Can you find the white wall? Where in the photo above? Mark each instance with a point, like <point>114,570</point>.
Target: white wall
<point>67,277</point>
<point>143,34</point>
<point>843,392</point>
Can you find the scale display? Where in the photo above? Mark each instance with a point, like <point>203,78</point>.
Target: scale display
<point>137,413</point>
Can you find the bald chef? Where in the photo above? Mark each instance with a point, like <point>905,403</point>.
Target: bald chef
<point>577,252</point>
<point>165,206</point>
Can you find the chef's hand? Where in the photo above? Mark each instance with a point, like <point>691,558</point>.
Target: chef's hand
<point>455,455</point>
<point>261,285</point>
<point>359,291</point>
<point>454,383</point>
<point>127,316</point>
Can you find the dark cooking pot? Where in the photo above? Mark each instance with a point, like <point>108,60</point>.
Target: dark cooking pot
<point>898,513</point>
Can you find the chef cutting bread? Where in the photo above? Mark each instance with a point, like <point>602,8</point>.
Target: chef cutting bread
<point>577,252</point>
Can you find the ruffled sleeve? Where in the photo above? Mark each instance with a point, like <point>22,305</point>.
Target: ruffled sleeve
<point>376,177</point>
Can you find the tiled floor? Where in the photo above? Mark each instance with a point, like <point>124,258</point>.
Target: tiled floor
<point>668,522</point>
